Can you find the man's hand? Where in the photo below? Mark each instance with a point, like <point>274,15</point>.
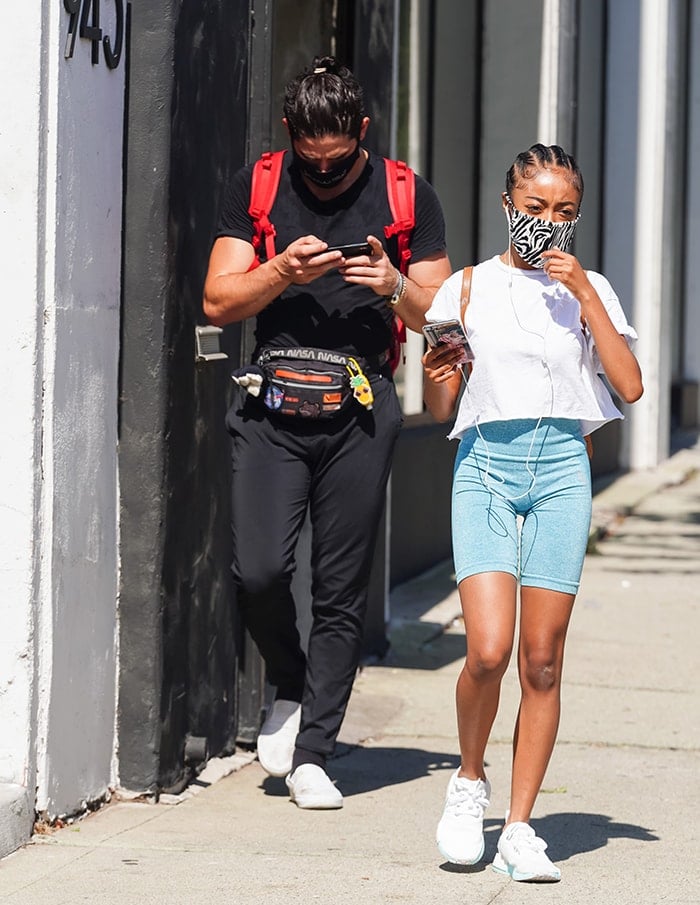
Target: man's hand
<point>305,260</point>
<point>374,271</point>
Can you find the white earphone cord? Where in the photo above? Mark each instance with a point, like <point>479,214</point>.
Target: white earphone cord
<point>486,476</point>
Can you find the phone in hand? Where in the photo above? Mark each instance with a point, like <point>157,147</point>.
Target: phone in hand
<point>450,333</point>
<point>353,250</point>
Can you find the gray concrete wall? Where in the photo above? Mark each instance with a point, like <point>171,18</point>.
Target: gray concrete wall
<point>510,76</point>
<point>454,126</point>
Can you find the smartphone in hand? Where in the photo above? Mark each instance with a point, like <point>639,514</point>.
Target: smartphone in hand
<point>353,250</point>
<point>450,333</point>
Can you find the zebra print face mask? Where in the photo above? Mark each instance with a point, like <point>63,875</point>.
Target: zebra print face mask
<point>530,236</point>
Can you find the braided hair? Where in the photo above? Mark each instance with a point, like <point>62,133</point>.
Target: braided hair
<point>543,157</point>
<point>326,99</point>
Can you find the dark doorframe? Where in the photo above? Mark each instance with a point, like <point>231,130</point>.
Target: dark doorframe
<point>178,654</point>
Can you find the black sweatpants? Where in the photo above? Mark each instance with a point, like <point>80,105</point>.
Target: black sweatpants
<point>340,468</point>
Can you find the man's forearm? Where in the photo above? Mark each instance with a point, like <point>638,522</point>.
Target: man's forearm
<point>422,282</point>
<point>415,302</point>
<point>233,297</point>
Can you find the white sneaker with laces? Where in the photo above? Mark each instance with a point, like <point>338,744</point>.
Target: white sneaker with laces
<point>311,787</point>
<point>521,854</point>
<point>460,832</point>
<point>277,737</point>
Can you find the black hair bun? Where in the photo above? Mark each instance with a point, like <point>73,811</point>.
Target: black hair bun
<point>325,64</point>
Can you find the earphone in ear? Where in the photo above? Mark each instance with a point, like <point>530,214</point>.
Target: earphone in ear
<point>505,206</point>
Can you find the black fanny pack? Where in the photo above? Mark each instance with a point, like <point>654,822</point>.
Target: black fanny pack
<point>312,383</point>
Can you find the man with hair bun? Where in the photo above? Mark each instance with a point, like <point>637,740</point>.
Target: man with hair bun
<point>318,313</point>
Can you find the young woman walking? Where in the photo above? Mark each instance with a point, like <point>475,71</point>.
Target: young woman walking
<point>541,331</point>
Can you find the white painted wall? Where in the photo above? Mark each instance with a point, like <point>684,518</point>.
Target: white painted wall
<point>20,377</point>
<point>645,182</point>
<point>653,309</point>
<point>58,493</point>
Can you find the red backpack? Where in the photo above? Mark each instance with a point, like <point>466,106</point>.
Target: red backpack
<point>401,192</point>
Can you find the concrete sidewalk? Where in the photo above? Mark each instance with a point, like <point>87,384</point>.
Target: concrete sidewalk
<point>619,801</point>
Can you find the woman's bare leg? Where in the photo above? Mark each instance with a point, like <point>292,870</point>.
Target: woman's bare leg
<point>488,605</point>
<point>544,619</point>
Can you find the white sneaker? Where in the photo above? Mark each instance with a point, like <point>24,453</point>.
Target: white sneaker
<point>521,854</point>
<point>277,737</point>
<point>460,833</point>
<point>311,787</point>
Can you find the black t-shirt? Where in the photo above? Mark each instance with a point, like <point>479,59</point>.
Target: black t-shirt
<point>330,313</point>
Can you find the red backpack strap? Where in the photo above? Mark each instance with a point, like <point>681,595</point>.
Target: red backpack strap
<point>401,190</point>
<point>263,191</point>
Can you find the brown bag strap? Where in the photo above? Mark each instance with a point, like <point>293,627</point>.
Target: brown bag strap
<point>464,301</point>
<point>466,293</point>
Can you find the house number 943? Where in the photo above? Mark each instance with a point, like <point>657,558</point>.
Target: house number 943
<point>85,21</point>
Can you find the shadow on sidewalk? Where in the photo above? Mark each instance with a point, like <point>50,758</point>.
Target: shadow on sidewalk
<point>362,770</point>
<point>423,645</point>
<point>359,770</point>
<point>571,833</point>
<point>566,835</point>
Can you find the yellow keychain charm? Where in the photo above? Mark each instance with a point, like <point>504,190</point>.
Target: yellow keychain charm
<point>361,389</point>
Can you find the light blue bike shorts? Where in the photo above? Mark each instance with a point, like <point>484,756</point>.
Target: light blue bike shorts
<point>536,470</point>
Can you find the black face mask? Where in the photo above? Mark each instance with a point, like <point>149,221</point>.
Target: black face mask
<point>327,179</point>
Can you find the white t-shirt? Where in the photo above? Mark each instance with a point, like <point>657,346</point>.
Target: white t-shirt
<point>532,357</point>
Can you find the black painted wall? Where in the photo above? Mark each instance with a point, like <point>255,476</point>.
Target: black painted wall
<point>208,141</point>
<point>373,55</point>
<point>420,500</point>
<point>186,128</point>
